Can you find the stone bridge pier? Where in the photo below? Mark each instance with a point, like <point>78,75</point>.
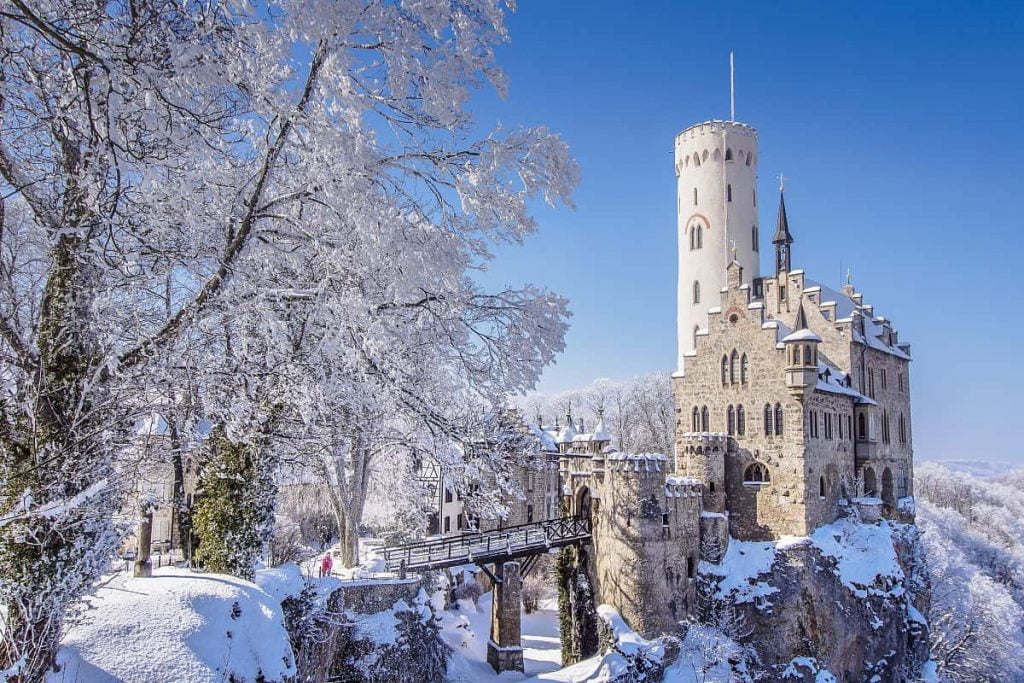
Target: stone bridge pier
<point>505,649</point>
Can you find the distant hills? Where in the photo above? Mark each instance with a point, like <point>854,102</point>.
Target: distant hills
<point>981,468</point>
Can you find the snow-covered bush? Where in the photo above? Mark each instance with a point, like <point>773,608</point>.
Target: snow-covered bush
<point>400,645</point>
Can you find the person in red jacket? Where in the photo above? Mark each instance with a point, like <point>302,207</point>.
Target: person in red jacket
<point>326,565</point>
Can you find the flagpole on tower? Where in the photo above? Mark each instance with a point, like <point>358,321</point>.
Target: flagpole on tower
<point>732,89</point>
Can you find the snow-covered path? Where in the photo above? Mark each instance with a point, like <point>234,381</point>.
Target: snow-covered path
<point>467,629</point>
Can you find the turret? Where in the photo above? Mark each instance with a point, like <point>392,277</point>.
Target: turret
<point>716,208</point>
<point>801,358</point>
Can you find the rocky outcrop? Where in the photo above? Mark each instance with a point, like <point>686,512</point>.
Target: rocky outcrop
<point>847,601</point>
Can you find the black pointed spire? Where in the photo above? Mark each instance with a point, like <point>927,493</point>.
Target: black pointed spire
<point>783,239</point>
<point>782,235</point>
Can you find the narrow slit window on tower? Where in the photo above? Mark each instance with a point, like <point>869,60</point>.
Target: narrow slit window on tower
<point>767,419</point>
<point>696,292</point>
<point>749,157</point>
<point>728,192</point>
<point>704,420</point>
<point>734,360</point>
<point>695,196</point>
<point>754,238</point>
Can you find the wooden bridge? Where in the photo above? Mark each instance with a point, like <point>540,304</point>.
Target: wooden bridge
<point>502,549</point>
<point>496,546</point>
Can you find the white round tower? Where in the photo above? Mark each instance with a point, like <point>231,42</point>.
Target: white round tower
<point>716,205</point>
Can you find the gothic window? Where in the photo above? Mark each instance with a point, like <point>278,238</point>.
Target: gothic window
<point>900,377</point>
<point>728,154</point>
<point>903,429</point>
<point>767,419</point>
<point>728,192</point>
<point>734,359</point>
<point>696,292</point>
<point>696,329</point>
<point>885,426</point>
<point>730,420</point>
<point>828,425</point>
<point>901,482</point>
<point>704,420</point>
<point>756,474</point>
<point>725,369</point>
<point>696,162</point>
<point>821,487</point>
<point>884,382</point>
<point>849,426</point>
<point>778,419</point>
<point>871,382</point>
<point>741,420</point>
<point>743,369</point>
<point>700,236</point>
<point>695,423</point>
<point>529,514</point>
<point>839,421</point>
<point>862,427</point>
<point>749,157</point>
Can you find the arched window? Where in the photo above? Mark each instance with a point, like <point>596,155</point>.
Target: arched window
<point>725,369</point>
<point>778,419</point>
<point>870,483</point>
<point>862,427</point>
<point>767,419</point>
<point>704,157</point>
<point>705,425</point>
<point>749,157</point>
<point>821,486</point>
<point>695,422</point>
<point>734,360</point>
<point>728,192</point>
<point>730,420</point>
<point>741,420</point>
<point>754,238</point>
<point>700,236</point>
<point>696,162</point>
<point>696,292</point>
<point>728,154</point>
<point>743,369</point>
<point>756,473</point>
<point>885,426</point>
<point>696,329</point>
<point>903,429</point>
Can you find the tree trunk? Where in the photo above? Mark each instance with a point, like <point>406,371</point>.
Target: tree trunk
<point>143,565</point>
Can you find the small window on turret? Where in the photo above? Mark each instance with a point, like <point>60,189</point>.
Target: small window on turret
<point>728,192</point>
<point>728,154</point>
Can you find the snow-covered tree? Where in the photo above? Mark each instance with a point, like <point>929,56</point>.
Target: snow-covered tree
<point>161,162</point>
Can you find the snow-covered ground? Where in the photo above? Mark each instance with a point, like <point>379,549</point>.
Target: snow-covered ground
<point>176,626</point>
<point>467,629</point>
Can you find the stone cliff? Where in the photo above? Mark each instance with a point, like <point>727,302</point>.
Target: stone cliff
<point>846,601</point>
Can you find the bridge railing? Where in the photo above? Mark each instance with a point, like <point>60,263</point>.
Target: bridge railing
<point>494,543</point>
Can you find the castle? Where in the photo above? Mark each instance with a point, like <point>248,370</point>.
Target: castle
<point>792,400</point>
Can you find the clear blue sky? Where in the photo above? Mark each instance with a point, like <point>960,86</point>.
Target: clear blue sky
<point>899,127</point>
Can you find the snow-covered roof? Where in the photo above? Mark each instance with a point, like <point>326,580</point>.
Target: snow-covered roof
<point>847,308</point>
<point>546,438</point>
<point>566,434</point>
<point>803,335</point>
<point>835,381</point>
<point>600,432</point>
